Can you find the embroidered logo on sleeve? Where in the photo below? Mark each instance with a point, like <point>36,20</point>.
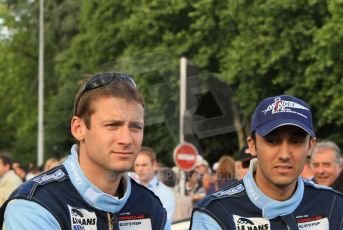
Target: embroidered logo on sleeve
<point>134,222</point>
<point>82,219</point>
<point>230,191</point>
<point>316,222</point>
<point>251,223</point>
<point>44,178</point>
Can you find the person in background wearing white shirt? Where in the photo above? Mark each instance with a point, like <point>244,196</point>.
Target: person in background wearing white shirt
<point>145,167</point>
<point>9,181</point>
<point>183,205</point>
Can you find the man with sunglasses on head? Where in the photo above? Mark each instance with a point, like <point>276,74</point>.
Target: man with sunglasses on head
<point>272,195</point>
<point>91,190</point>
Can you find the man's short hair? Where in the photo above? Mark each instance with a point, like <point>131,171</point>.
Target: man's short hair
<point>6,159</point>
<point>323,145</point>
<point>226,168</point>
<point>148,152</point>
<point>83,106</point>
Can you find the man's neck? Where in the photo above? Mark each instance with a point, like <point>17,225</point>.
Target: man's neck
<point>105,180</point>
<point>108,182</point>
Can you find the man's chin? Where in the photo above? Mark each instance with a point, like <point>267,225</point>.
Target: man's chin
<point>286,182</point>
<point>323,182</point>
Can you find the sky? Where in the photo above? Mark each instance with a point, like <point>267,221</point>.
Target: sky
<point>4,32</point>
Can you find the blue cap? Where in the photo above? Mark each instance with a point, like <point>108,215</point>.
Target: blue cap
<point>277,111</point>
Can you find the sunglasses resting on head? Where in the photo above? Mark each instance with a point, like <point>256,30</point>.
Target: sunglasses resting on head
<point>102,79</point>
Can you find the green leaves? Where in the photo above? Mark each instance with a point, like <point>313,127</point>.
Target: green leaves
<point>259,48</point>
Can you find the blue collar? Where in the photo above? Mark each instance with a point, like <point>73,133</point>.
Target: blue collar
<point>90,193</point>
<point>271,208</point>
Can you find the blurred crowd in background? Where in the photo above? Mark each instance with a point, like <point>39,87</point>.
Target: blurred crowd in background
<point>323,166</point>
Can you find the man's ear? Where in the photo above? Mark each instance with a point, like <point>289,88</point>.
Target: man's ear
<point>252,145</point>
<point>312,143</point>
<point>78,128</point>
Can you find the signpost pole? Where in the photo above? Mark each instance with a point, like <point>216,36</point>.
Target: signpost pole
<point>183,91</point>
<point>40,144</point>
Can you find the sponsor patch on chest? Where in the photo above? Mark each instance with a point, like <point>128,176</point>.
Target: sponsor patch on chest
<point>251,223</point>
<point>82,219</point>
<point>134,222</point>
<point>314,222</point>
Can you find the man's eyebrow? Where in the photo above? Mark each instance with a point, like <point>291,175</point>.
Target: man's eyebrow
<point>113,121</point>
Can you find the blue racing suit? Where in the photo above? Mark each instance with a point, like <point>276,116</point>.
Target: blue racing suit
<point>243,206</point>
<point>63,198</point>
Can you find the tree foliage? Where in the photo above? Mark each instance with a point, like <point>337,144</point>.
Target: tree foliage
<point>259,48</point>
<point>19,78</point>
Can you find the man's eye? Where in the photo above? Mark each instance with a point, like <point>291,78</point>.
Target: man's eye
<point>299,141</point>
<point>111,125</point>
<point>315,165</point>
<point>271,140</point>
<point>327,164</point>
<point>137,126</point>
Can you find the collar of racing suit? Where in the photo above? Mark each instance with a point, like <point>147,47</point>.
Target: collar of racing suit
<point>271,208</point>
<point>90,193</point>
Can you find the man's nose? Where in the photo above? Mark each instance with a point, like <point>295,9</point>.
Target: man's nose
<point>320,169</point>
<point>285,150</point>
<point>124,136</point>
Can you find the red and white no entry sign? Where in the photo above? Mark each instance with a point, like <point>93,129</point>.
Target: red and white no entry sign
<point>185,156</point>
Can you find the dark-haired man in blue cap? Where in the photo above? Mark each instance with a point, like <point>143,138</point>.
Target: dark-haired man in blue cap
<point>273,195</point>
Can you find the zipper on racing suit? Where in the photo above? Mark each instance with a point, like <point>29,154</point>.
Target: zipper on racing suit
<point>112,221</point>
